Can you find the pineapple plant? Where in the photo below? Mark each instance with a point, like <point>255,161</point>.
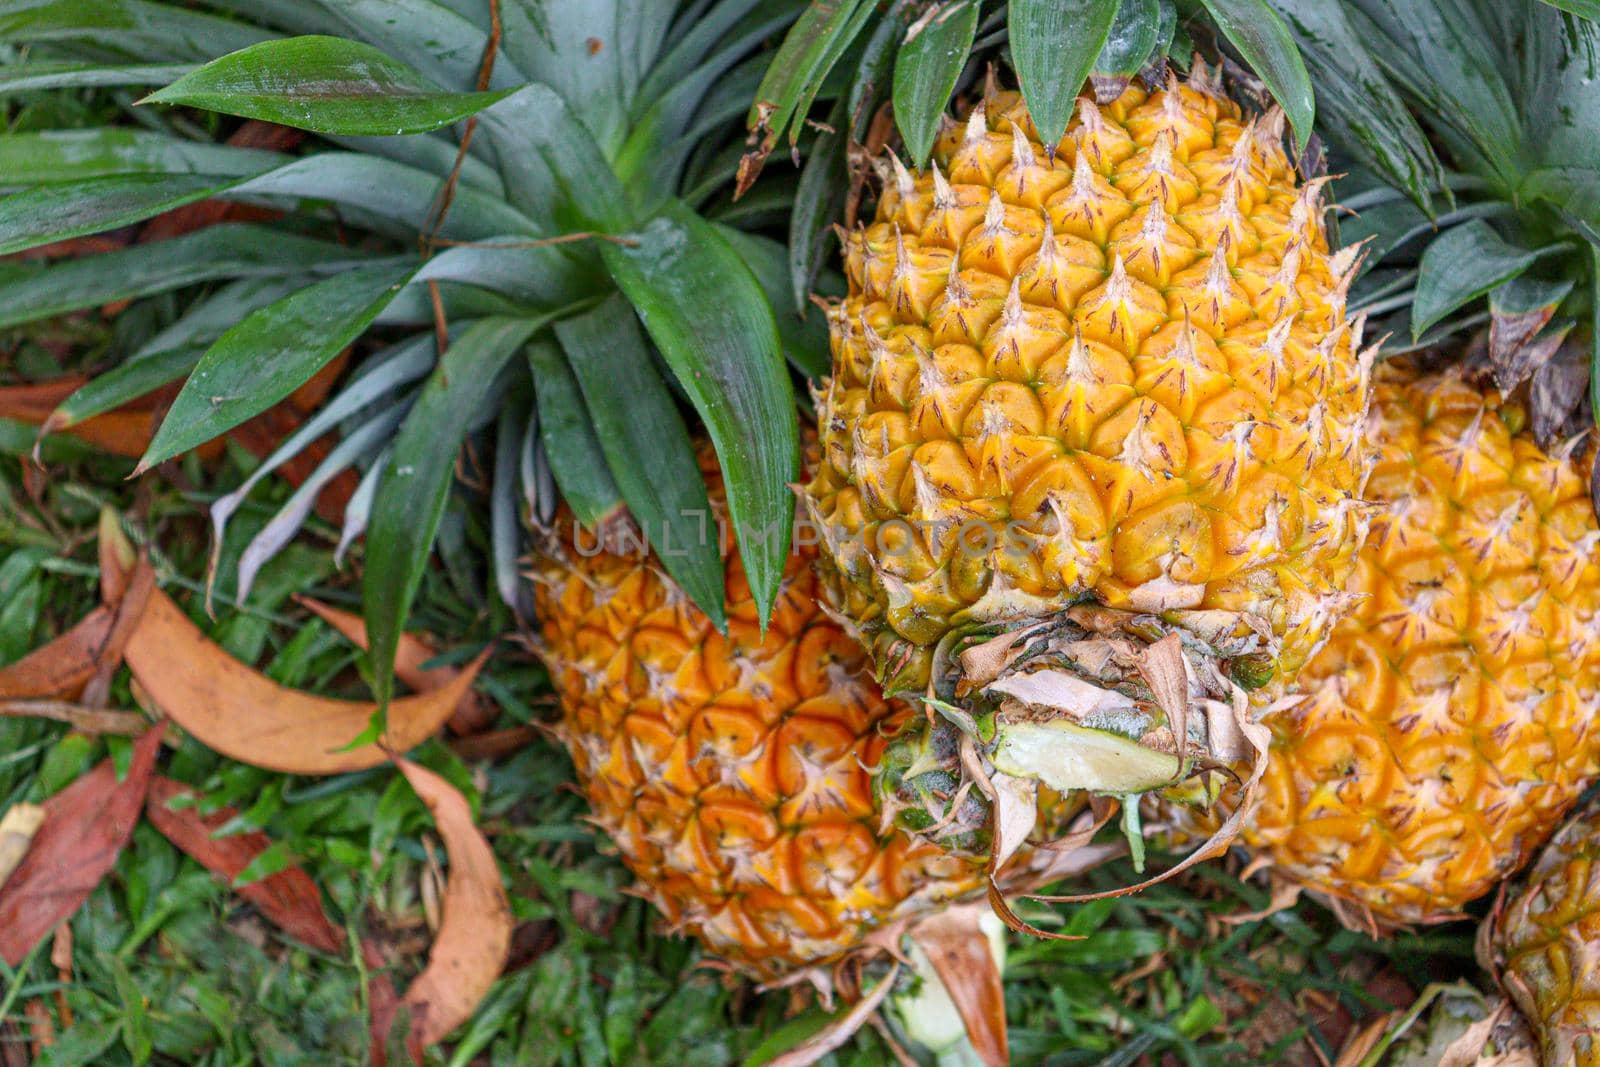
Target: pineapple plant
<point>1541,945</point>
<point>516,211</point>
<point>1449,722</point>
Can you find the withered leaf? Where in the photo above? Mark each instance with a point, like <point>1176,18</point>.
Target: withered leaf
<point>64,666</point>
<point>959,950</point>
<point>240,712</point>
<point>289,897</point>
<point>836,1033</point>
<point>85,827</point>
<point>473,714</point>
<point>475,934</point>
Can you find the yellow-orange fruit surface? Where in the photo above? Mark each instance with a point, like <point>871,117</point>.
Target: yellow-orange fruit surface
<point>1452,719</point>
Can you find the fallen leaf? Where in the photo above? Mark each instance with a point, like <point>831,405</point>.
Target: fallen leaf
<point>289,898</point>
<point>127,614</point>
<point>958,948</point>
<point>475,934</point>
<point>240,712</point>
<point>79,716</point>
<point>17,827</point>
<point>85,827</point>
<point>64,666</point>
<point>472,715</point>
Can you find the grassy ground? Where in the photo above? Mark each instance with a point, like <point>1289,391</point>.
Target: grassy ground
<point>166,965</point>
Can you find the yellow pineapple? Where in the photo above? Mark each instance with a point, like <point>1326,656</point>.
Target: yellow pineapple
<point>1450,721</point>
<point>1084,397</point>
<point>1543,945</point>
<point>735,773</point>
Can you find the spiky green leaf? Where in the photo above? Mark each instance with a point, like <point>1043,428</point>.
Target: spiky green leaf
<point>926,70</point>
<point>711,321</point>
<point>646,446</point>
<point>1462,265</point>
<point>272,353</point>
<point>326,85</point>
<point>1132,38</point>
<point>231,250</point>
<point>416,480</point>
<point>1359,109</point>
<point>1054,44</point>
<point>1266,44</point>
<point>1589,9</point>
<point>576,458</point>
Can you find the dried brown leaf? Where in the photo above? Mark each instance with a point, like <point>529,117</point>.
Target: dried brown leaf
<point>64,666</point>
<point>17,827</point>
<point>85,828</point>
<point>959,950</point>
<point>289,897</point>
<point>472,715</point>
<point>475,934</point>
<point>836,1033</point>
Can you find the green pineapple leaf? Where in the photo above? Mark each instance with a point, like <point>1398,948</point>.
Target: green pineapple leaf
<point>1266,44</point>
<point>324,84</point>
<point>272,353</point>
<point>711,321</point>
<point>647,447</point>
<point>925,72</point>
<point>1359,109</point>
<point>74,155</point>
<point>416,482</point>
<point>137,29</point>
<point>804,336</point>
<point>1054,45</point>
<point>816,41</point>
<point>234,250</point>
<point>1462,265</point>
<point>1589,9</point>
<point>1134,35</point>
<point>117,386</point>
<point>50,213</point>
<point>576,458</point>
<point>33,77</point>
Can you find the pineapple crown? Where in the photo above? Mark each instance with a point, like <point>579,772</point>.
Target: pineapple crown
<point>514,208</point>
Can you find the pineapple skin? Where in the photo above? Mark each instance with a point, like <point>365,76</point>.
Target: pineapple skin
<point>1546,940</point>
<point>1123,374</point>
<point>735,773</point>
<point>1449,723</point>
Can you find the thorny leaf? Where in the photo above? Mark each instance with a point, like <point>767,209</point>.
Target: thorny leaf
<point>289,898</point>
<point>240,712</point>
<point>475,935</point>
<point>85,827</point>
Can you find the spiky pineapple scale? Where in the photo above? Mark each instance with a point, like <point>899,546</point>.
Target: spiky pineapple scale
<point>1134,352</point>
<point>1546,945</point>
<point>734,772</point>
<point>1450,721</point>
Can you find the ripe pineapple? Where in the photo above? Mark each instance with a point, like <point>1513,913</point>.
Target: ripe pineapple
<point>1544,944</point>
<point>1449,725</point>
<point>1084,396</point>
<point>734,772</point>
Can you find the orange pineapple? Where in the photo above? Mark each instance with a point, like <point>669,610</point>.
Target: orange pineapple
<point>1451,720</point>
